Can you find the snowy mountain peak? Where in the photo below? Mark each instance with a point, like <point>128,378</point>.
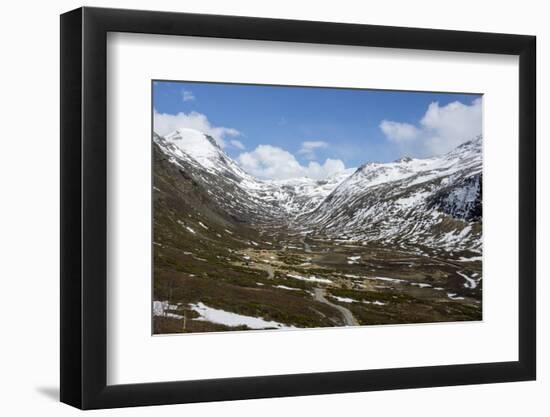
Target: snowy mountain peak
<point>472,146</point>
<point>466,155</point>
<point>199,155</point>
<point>436,202</point>
<point>196,144</point>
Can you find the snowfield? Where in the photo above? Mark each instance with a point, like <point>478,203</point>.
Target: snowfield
<point>343,299</point>
<point>233,319</point>
<point>310,278</point>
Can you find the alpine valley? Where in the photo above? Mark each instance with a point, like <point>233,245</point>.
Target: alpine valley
<point>386,243</point>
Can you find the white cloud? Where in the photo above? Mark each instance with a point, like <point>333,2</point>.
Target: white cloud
<point>399,132</point>
<point>271,162</point>
<point>309,147</point>
<point>329,168</point>
<point>441,129</point>
<point>164,123</point>
<point>237,144</point>
<point>187,95</point>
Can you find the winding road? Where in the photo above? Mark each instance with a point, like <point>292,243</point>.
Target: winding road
<point>349,320</point>
<point>318,293</point>
<point>265,267</point>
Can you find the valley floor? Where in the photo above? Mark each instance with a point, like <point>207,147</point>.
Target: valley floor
<point>284,281</point>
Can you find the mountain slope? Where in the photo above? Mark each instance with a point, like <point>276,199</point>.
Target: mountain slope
<point>244,197</point>
<point>434,202</point>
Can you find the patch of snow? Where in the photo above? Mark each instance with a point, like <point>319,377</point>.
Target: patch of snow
<point>310,278</point>
<point>413,200</point>
<point>387,279</point>
<point>376,303</point>
<point>475,258</point>
<point>353,260</point>
<point>470,283</point>
<point>284,287</point>
<point>420,284</point>
<point>227,318</point>
<point>453,296</point>
<point>344,299</point>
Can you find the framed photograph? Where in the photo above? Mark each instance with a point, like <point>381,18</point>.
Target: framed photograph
<point>257,208</point>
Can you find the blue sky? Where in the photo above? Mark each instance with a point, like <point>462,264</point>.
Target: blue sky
<point>315,124</point>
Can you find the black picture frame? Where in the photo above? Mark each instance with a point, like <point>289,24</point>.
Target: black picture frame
<point>84,207</point>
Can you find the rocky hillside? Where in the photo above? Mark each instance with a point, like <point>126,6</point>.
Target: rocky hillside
<point>434,203</point>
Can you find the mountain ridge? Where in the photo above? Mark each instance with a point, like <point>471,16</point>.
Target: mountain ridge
<point>434,202</point>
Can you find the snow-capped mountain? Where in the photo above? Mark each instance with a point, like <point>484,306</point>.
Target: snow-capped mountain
<point>199,155</point>
<point>434,202</point>
<point>302,195</point>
